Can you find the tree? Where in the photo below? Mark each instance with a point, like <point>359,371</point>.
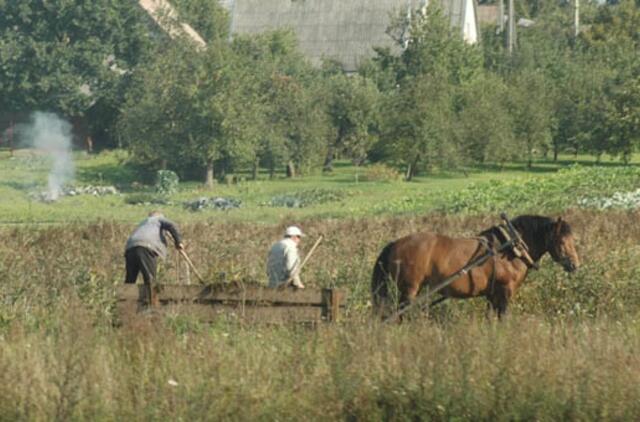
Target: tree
<point>295,127</point>
<point>353,109</point>
<point>417,131</point>
<point>207,17</point>
<point>162,111</point>
<point>484,127</point>
<point>531,112</point>
<point>428,46</point>
<point>67,55</point>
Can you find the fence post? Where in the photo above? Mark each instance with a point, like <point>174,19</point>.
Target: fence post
<point>331,301</point>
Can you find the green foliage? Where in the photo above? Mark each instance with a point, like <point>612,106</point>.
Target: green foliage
<point>208,18</point>
<point>59,55</point>
<point>353,108</point>
<point>537,194</point>
<point>416,133</point>
<point>380,173</point>
<point>167,182</point>
<point>306,198</point>
<point>429,46</point>
<point>249,101</point>
<point>485,126</point>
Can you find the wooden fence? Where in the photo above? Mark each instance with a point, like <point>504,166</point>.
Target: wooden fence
<point>248,303</point>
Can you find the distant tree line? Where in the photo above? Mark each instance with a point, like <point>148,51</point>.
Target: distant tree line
<point>254,102</point>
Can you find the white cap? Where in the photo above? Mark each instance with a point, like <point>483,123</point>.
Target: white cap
<point>293,231</point>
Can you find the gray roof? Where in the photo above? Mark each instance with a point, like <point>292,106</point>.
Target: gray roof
<point>343,30</point>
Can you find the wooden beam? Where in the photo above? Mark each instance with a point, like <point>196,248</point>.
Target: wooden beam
<point>230,293</point>
<point>249,303</point>
<point>249,314</point>
<point>166,17</point>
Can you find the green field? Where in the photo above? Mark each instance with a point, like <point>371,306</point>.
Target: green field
<point>26,173</point>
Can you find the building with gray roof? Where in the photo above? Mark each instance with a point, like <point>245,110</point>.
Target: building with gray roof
<point>341,30</point>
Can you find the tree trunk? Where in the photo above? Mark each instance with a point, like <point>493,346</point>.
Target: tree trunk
<point>328,161</point>
<point>272,170</point>
<point>254,170</point>
<point>208,179</point>
<point>555,152</point>
<point>411,169</point>
<point>10,137</point>
<point>291,169</point>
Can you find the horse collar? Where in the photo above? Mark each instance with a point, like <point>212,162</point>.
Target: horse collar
<point>516,245</point>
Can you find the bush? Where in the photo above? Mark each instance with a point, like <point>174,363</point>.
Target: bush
<point>381,173</point>
<point>167,182</point>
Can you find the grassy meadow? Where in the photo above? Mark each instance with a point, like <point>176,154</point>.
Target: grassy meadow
<point>26,173</point>
<point>568,350</point>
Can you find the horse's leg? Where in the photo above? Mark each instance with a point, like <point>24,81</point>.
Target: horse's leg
<point>498,300</point>
<point>407,297</point>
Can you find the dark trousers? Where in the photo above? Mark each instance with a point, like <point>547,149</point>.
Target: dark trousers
<point>140,259</point>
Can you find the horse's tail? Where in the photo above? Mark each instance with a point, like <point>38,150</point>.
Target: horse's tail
<point>380,279</point>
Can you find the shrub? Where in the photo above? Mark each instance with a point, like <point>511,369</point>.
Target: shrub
<point>381,173</point>
<point>167,182</point>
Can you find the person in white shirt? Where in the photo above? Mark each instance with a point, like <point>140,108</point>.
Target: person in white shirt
<point>283,261</point>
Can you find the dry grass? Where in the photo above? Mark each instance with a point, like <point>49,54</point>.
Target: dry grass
<point>569,350</point>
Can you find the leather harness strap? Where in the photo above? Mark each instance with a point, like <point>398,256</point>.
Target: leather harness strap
<point>519,247</point>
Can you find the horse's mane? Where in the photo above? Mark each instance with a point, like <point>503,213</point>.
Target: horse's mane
<point>536,224</point>
<point>533,229</point>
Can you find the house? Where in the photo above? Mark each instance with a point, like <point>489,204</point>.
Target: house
<point>341,30</point>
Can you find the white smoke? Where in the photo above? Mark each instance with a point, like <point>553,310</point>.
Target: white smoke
<point>52,135</point>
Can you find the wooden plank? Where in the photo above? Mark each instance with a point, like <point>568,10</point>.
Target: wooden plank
<point>126,292</point>
<point>137,293</point>
<point>238,293</point>
<point>252,314</point>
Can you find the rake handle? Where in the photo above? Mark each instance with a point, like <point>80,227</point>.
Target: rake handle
<point>193,267</point>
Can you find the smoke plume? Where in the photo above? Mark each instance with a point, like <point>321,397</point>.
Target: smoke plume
<point>52,135</point>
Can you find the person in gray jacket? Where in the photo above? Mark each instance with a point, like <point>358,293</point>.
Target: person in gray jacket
<point>283,261</point>
<point>146,244</point>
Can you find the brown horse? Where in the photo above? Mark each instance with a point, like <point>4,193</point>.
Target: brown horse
<point>426,259</point>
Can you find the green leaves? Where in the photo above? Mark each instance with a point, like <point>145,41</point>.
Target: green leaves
<point>53,54</point>
<point>562,190</point>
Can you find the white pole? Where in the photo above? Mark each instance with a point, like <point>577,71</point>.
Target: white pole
<point>577,19</point>
<point>512,28</point>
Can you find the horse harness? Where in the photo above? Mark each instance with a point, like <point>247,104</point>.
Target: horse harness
<point>511,241</point>
<point>507,238</point>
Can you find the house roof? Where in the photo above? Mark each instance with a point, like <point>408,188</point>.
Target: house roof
<point>158,9</point>
<point>343,30</point>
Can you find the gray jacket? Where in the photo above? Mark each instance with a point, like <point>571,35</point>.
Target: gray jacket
<point>150,234</point>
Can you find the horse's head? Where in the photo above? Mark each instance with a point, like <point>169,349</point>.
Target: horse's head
<point>561,245</point>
